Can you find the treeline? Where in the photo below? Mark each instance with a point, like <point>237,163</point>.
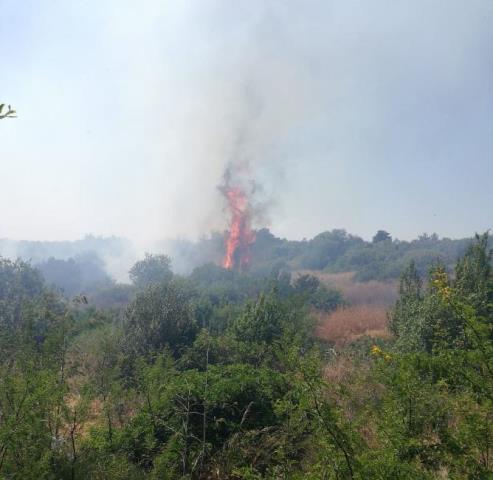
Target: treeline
<point>218,375</point>
<point>84,265</point>
<point>39,251</point>
<point>334,251</point>
<point>75,266</point>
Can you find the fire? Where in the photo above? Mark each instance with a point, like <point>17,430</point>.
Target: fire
<point>240,235</point>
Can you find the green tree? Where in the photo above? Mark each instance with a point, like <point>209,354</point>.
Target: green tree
<point>20,287</point>
<point>262,321</point>
<point>405,318</point>
<point>160,316</point>
<point>311,291</point>
<point>152,269</point>
<point>381,236</point>
<point>473,275</point>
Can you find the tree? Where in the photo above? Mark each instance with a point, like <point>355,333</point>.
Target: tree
<point>426,321</point>
<point>326,247</point>
<point>20,285</point>
<point>83,273</point>
<point>261,321</point>
<point>62,274</point>
<point>381,236</point>
<point>408,304</point>
<point>153,269</point>
<point>160,316</point>
<point>312,291</point>
<point>473,272</point>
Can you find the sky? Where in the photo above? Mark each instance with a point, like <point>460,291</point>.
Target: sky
<point>350,114</point>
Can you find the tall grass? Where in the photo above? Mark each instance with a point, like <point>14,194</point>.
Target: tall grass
<point>346,325</point>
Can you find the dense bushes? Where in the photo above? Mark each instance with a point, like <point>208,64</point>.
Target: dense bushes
<point>161,316</point>
<point>217,376</point>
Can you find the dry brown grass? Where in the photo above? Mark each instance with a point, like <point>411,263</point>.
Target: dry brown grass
<point>352,386</point>
<point>346,325</point>
<point>359,293</point>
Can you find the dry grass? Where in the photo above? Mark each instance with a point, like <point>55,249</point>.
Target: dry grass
<point>352,386</point>
<point>359,293</point>
<point>346,325</point>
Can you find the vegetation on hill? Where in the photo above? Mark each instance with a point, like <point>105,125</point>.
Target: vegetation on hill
<point>88,265</point>
<point>219,375</point>
<point>334,251</point>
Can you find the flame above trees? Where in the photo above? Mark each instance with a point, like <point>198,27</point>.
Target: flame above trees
<point>240,235</point>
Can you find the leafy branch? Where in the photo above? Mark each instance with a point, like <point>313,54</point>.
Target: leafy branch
<point>9,113</point>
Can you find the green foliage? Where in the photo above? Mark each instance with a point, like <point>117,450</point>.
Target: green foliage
<point>474,279</point>
<point>160,316</point>
<point>439,402</point>
<point>27,396</point>
<point>381,236</point>
<point>326,248</point>
<point>311,291</point>
<point>115,296</point>
<point>153,269</point>
<point>87,393</point>
<point>262,321</point>
<point>332,251</point>
<point>20,287</point>
<point>427,321</point>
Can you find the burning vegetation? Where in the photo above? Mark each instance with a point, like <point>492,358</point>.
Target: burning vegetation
<point>238,189</point>
<point>240,236</point>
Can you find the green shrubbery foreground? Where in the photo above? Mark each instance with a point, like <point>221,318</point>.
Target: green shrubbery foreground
<point>219,376</point>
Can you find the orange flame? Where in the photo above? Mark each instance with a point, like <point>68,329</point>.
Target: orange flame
<point>240,235</point>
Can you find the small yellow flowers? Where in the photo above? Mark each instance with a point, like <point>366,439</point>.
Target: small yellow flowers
<point>376,351</point>
<point>441,282</point>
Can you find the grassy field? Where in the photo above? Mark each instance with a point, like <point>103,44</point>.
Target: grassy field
<point>366,311</point>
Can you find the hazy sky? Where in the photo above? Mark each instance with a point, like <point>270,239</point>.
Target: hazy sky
<point>352,114</point>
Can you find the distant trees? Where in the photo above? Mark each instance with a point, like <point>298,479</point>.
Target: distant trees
<point>383,258</point>
<point>386,259</point>
<point>381,236</point>
<point>63,274</point>
<point>331,251</point>
<point>81,274</point>
<point>151,270</point>
<point>326,247</point>
<point>314,293</point>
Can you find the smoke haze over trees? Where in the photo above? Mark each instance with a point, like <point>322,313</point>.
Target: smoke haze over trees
<point>218,324</point>
<point>104,267</point>
<point>349,114</point>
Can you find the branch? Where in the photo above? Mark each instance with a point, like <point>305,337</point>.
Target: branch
<point>9,113</point>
